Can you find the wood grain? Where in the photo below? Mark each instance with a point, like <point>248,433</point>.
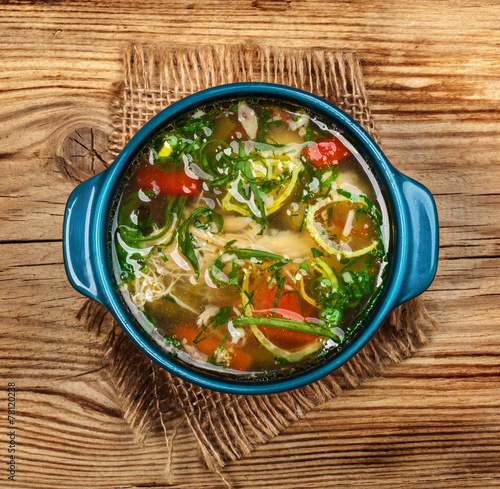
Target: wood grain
<point>432,72</point>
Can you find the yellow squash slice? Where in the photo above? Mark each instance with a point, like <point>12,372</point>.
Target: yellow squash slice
<point>324,270</point>
<point>277,197</point>
<point>338,229</point>
<point>289,355</point>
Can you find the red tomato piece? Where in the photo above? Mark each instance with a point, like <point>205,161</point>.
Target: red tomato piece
<point>175,182</point>
<point>288,307</point>
<point>326,153</point>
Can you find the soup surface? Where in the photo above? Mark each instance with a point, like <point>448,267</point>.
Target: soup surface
<point>250,238</point>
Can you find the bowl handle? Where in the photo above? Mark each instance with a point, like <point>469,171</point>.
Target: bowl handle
<point>423,239</point>
<point>79,238</point>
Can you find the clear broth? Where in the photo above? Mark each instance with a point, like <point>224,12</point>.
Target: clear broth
<point>250,211</point>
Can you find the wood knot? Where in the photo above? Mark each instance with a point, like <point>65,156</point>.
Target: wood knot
<point>272,5</point>
<point>83,154</point>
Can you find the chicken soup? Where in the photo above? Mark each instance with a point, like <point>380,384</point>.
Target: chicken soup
<point>250,238</point>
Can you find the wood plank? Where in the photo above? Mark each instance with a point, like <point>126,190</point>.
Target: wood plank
<point>432,78</point>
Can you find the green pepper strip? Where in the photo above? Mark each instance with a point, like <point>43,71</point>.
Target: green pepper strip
<point>208,167</point>
<point>186,239</point>
<point>245,170</point>
<point>131,199</point>
<point>175,207</point>
<point>320,329</point>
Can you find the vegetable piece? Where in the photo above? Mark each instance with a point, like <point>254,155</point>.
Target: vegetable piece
<point>280,194</point>
<point>216,270</point>
<point>304,294</point>
<point>307,327</point>
<point>331,223</point>
<point>291,355</point>
<point>189,333</point>
<point>209,344</point>
<point>326,153</point>
<point>282,177</point>
<point>131,232</point>
<point>288,306</point>
<point>175,182</point>
<point>245,189</point>
<point>214,223</point>
<point>327,272</point>
<point>240,360</point>
<point>165,150</point>
<point>288,336</point>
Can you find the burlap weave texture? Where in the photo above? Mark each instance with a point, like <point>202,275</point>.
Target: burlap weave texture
<point>228,427</point>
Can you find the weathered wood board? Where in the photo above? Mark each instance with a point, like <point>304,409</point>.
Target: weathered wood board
<point>432,72</point>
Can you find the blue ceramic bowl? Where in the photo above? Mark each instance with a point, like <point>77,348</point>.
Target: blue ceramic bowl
<point>413,256</point>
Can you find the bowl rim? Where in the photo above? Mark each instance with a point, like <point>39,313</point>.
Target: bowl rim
<point>385,172</point>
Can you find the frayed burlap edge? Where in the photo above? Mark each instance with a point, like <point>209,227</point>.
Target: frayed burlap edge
<point>156,76</point>
<point>228,427</point>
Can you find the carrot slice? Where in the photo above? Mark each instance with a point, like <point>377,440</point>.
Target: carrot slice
<point>240,360</point>
<point>207,345</point>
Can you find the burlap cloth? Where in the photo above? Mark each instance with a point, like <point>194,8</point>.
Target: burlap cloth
<point>228,427</point>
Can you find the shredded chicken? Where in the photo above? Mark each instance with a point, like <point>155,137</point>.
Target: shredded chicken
<point>248,119</point>
<point>162,277</point>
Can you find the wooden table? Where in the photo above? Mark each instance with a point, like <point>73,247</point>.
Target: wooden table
<point>432,71</point>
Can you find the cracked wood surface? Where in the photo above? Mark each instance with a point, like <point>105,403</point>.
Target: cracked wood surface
<point>432,74</point>
<point>83,154</point>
